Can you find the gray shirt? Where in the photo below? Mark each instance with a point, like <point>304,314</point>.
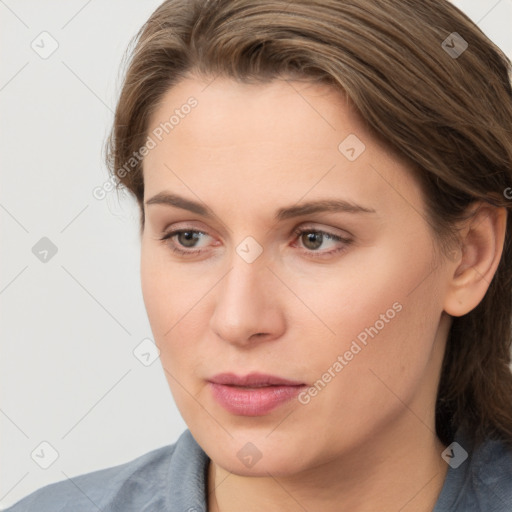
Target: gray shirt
<point>173,478</point>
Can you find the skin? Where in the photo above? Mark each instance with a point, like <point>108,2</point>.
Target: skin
<point>367,440</point>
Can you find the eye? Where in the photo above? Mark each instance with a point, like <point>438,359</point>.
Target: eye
<point>187,239</point>
<point>314,239</point>
<point>189,242</point>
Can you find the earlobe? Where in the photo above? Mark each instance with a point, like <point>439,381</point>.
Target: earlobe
<point>482,246</point>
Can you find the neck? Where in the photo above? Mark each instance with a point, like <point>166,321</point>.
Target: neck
<point>392,472</point>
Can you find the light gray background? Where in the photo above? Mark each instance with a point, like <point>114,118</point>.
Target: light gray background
<point>69,376</point>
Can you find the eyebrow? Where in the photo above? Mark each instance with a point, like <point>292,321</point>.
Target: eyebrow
<point>319,206</point>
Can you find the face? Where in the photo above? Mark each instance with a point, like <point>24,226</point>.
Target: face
<point>282,239</point>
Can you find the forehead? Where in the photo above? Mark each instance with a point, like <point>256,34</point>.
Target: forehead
<point>262,113</point>
<point>271,141</point>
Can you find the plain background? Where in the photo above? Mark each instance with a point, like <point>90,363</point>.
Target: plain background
<point>70,324</point>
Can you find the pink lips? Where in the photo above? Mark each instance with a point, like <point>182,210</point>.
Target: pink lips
<point>255,394</point>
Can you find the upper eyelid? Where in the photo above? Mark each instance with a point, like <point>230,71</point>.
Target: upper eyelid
<point>327,231</point>
<point>177,231</point>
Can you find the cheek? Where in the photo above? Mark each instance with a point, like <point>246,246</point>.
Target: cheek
<point>363,293</point>
<point>168,291</point>
<point>155,283</point>
<point>381,318</point>
<point>177,307</point>
<point>360,386</point>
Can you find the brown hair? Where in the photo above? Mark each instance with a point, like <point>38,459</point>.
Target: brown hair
<point>446,110</point>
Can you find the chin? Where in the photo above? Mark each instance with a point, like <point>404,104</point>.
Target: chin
<point>260,456</point>
<point>277,465</point>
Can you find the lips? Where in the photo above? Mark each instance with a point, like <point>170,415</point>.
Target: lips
<point>255,394</point>
<point>253,380</point>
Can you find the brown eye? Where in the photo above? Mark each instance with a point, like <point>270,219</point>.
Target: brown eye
<point>187,238</point>
<point>312,240</point>
<point>185,241</point>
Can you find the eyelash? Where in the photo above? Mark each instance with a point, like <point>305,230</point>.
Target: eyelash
<point>166,239</point>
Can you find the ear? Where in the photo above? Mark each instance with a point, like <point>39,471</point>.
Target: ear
<point>471,273</point>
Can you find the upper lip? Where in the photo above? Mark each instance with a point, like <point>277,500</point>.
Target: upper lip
<point>252,380</point>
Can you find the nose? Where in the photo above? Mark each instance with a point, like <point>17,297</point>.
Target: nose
<point>247,308</point>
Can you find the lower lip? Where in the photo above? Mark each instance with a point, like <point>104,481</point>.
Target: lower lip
<point>253,401</point>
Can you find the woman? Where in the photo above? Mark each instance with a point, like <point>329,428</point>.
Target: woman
<point>325,196</point>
